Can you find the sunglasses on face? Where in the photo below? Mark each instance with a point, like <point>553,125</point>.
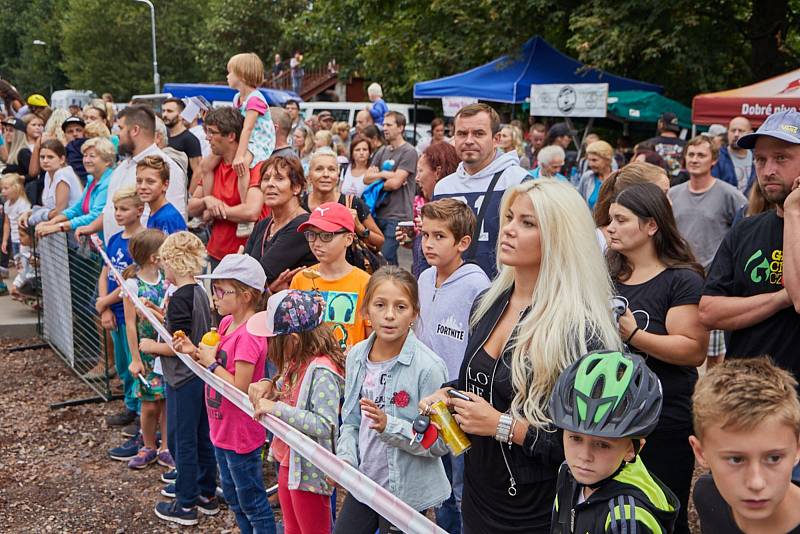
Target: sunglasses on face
<point>325,237</point>
<point>220,293</point>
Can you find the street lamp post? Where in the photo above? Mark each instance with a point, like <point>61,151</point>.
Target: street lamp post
<point>39,42</point>
<point>156,80</point>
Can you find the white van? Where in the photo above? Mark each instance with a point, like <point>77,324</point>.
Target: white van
<point>346,112</point>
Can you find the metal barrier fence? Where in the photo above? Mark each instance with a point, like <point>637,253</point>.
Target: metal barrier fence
<point>70,323</point>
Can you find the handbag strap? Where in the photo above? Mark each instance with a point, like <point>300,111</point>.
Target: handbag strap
<point>487,198</point>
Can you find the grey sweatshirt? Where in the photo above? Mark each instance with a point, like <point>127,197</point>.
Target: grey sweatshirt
<point>443,324</point>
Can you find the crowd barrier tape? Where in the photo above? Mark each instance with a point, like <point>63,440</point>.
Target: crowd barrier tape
<point>357,484</point>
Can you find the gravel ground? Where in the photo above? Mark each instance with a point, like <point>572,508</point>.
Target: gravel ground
<point>55,475</point>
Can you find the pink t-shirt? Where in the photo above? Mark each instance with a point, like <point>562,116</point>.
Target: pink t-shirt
<point>254,104</point>
<point>230,427</point>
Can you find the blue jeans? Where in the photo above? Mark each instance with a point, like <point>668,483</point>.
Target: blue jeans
<point>122,359</point>
<point>390,244</point>
<point>448,515</point>
<point>242,481</point>
<point>188,441</point>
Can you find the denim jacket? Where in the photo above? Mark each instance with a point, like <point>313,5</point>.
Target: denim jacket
<point>416,475</point>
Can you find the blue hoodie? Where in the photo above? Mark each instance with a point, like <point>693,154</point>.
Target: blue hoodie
<point>443,324</point>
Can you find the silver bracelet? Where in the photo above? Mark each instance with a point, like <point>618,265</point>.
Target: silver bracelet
<point>503,428</point>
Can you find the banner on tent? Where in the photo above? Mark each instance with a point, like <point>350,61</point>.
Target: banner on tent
<point>451,104</point>
<point>569,100</point>
<point>356,483</point>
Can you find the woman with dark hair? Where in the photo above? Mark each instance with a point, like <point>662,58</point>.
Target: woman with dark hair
<point>631,174</point>
<point>360,153</point>
<point>275,241</point>
<point>654,271</point>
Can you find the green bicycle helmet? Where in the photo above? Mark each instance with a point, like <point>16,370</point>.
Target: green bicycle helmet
<point>607,394</point>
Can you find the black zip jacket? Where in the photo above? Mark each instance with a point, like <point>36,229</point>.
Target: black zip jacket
<point>632,501</point>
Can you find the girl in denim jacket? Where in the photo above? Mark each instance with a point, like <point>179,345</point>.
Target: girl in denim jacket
<point>386,376</point>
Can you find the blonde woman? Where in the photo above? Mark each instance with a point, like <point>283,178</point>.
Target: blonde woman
<point>510,138</point>
<point>303,142</point>
<point>323,139</point>
<point>599,157</point>
<point>549,304</point>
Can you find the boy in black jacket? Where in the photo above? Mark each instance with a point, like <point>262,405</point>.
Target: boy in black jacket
<point>606,403</point>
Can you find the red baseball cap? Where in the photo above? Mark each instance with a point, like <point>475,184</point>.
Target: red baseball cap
<point>330,217</point>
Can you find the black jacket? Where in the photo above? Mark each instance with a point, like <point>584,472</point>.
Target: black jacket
<point>543,451</point>
<point>632,501</point>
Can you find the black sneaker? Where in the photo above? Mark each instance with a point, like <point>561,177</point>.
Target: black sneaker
<point>127,450</point>
<point>208,505</point>
<point>168,491</point>
<point>132,429</point>
<point>121,419</point>
<point>172,511</point>
<point>169,477</point>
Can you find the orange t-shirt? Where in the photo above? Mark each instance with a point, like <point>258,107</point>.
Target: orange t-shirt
<point>343,300</point>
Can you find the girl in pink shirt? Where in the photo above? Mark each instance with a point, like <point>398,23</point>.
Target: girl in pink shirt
<point>239,357</point>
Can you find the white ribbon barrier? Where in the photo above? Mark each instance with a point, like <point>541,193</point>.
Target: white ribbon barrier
<point>357,484</point>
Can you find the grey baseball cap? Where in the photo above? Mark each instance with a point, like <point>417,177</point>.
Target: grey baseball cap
<point>784,125</point>
<point>241,267</point>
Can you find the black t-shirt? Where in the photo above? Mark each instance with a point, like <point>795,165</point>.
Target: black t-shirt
<point>287,249</point>
<point>189,144</point>
<point>487,507</point>
<point>188,310</point>
<point>715,514</point>
<point>750,262</point>
<point>671,149</point>
<point>649,302</point>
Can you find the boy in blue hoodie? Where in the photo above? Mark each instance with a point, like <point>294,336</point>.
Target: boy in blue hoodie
<point>447,290</point>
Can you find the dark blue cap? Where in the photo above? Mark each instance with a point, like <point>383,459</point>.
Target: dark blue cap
<point>784,125</point>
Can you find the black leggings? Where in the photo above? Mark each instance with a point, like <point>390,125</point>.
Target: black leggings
<point>358,518</point>
<point>668,455</point>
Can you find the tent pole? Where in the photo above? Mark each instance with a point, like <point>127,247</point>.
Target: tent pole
<point>585,133</point>
<point>415,122</point>
<point>574,138</point>
<point>513,111</point>
<point>694,130</point>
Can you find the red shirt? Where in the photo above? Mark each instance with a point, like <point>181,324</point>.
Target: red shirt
<point>223,240</point>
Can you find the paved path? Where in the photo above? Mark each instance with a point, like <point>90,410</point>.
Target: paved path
<point>16,319</point>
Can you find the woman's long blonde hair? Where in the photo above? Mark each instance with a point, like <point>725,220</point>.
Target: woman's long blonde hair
<point>571,303</point>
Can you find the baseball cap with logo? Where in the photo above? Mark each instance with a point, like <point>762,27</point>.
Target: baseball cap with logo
<point>784,125</point>
<point>72,120</point>
<point>289,311</point>
<point>330,217</point>
<point>669,121</point>
<point>37,100</point>
<point>18,124</point>
<point>240,267</point>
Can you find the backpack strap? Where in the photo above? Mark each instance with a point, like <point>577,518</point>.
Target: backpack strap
<point>487,198</point>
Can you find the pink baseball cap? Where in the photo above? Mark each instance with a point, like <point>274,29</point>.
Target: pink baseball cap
<point>330,217</point>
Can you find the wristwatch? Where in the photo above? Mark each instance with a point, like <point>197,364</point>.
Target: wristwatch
<point>213,367</point>
<point>365,234</point>
<point>503,432</point>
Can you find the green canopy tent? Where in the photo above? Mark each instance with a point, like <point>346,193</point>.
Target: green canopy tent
<point>646,106</point>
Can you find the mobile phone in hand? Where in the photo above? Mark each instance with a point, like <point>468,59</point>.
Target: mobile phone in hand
<point>458,395</point>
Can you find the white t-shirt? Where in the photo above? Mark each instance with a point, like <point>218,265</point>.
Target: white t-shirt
<point>352,185</point>
<point>64,174</point>
<point>125,176</point>
<point>374,452</point>
<point>200,133</point>
<point>14,210</point>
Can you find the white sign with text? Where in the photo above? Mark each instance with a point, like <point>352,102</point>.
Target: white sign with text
<point>569,100</point>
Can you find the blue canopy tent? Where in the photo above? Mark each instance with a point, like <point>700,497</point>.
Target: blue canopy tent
<point>211,92</point>
<point>509,78</point>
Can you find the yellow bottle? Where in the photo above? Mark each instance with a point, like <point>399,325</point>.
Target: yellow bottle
<point>210,338</point>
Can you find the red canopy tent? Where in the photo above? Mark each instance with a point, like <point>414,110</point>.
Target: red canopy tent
<point>755,102</point>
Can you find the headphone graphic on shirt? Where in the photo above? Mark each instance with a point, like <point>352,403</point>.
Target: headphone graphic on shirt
<point>348,314</point>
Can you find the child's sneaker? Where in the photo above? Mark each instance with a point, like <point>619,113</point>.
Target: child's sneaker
<point>143,458</point>
<point>208,505</point>
<point>169,477</point>
<point>168,491</point>
<point>172,511</point>
<point>128,450</point>
<point>165,460</point>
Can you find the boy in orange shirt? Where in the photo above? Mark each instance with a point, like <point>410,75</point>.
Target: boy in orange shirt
<point>330,230</point>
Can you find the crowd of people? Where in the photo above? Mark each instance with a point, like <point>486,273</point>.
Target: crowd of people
<point>556,312</point>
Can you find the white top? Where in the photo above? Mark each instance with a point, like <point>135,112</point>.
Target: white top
<point>13,210</point>
<point>125,176</point>
<point>352,185</point>
<point>200,133</point>
<point>64,174</point>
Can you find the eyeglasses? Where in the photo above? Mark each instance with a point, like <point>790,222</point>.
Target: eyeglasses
<point>220,293</point>
<point>325,237</point>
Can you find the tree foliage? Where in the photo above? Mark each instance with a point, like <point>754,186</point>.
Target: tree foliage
<point>689,46</point>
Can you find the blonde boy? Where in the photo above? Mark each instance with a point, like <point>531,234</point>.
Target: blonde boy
<point>747,424</point>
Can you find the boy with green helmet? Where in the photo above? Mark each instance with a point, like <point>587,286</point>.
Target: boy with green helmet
<point>606,403</point>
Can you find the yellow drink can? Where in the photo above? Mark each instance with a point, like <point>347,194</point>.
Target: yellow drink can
<point>451,433</point>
